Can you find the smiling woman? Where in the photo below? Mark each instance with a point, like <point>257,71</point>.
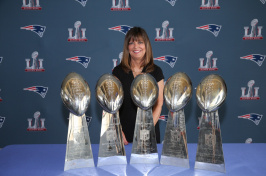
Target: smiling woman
<point>137,59</point>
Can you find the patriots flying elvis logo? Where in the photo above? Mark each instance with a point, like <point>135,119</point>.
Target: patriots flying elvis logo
<point>171,60</point>
<point>257,58</point>
<point>82,2</point>
<point>263,1</point>
<point>38,29</point>
<point>256,118</point>
<point>38,89</point>
<point>2,120</point>
<point>122,28</point>
<point>213,28</point>
<point>172,2</point>
<point>1,59</point>
<point>83,60</point>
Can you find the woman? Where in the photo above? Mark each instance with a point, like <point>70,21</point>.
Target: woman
<point>137,58</point>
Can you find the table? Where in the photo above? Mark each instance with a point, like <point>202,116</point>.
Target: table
<point>48,160</point>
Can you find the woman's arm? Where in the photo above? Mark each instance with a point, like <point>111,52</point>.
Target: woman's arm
<point>157,108</point>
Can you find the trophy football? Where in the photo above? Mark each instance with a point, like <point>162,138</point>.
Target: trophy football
<point>144,93</point>
<point>109,94</point>
<point>210,93</point>
<point>75,93</point>
<point>177,93</point>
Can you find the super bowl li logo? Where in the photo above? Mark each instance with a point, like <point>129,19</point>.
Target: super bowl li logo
<point>120,5</point>
<point>115,61</point>
<point>250,94</point>
<point>79,35</point>
<point>31,5</point>
<point>83,60</point>
<point>37,64</point>
<point>166,35</point>
<point>2,120</point>
<point>209,5</point>
<point>38,124</point>
<point>254,33</point>
<point>210,64</point>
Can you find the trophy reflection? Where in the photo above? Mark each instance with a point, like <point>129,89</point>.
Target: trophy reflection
<point>75,93</point>
<point>144,93</point>
<point>109,94</point>
<point>177,93</point>
<point>211,93</point>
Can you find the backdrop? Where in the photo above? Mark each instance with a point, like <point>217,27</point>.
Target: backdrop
<point>42,41</point>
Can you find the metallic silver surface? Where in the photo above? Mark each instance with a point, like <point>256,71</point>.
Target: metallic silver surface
<point>144,91</point>
<point>109,93</point>
<point>75,93</point>
<point>211,93</point>
<point>175,150</point>
<point>177,91</point>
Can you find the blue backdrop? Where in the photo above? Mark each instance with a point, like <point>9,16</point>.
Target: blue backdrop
<point>42,41</point>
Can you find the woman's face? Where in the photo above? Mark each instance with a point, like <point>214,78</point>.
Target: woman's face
<point>137,49</point>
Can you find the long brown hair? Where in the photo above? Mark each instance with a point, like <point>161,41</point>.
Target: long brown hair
<point>136,33</point>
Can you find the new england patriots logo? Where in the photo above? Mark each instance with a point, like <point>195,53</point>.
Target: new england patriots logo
<point>213,28</point>
<point>256,118</point>
<point>1,58</point>
<point>83,60</point>
<point>38,89</point>
<point>263,1</point>
<point>88,119</point>
<point>121,28</point>
<point>171,60</point>
<point>38,29</point>
<point>2,119</point>
<point>82,2</point>
<point>172,2</point>
<point>257,58</point>
<point>163,118</point>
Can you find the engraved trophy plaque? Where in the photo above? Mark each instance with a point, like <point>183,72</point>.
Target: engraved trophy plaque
<point>177,93</point>
<point>109,94</point>
<point>210,93</point>
<point>75,93</point>
<point>144,93</point>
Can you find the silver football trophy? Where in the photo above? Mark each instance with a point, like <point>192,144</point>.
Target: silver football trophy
<point>144,93</point>
<point>177,93</point>
<point>75,93</point>
<point>109,94</point>
<point>210,93</point>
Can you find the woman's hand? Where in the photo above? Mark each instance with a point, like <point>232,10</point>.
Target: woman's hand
<point>124,138</point>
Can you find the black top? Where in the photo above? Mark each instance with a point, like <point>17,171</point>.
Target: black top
<point>128,110</point>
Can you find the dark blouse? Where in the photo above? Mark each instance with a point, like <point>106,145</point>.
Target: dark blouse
<point>128,110</point>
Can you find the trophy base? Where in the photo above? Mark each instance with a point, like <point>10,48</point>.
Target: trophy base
<point>103,161</point>
<point>173,161</point>
<point>78,163</point>
<point>144,158</point>
<point>210,166</point>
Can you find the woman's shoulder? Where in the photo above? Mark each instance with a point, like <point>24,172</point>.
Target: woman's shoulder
<point>117,69</point>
